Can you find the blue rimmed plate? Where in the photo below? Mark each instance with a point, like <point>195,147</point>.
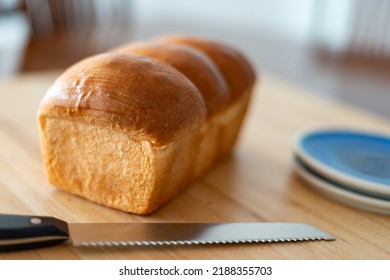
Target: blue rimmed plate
<point>341,194</point>
<point>359,160</point>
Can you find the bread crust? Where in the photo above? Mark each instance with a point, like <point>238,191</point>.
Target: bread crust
<point>130,131</point>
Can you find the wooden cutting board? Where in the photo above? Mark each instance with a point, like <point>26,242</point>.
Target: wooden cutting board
<point>255,183</point>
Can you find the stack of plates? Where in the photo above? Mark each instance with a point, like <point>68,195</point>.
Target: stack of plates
<point>351,167</point>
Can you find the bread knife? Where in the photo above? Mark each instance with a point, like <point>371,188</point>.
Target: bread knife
<point>19,232</point>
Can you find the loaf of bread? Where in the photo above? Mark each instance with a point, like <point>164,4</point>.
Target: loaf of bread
<point>132,127</point>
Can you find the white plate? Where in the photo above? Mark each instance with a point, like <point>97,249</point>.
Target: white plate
<point>341,195</point>
<point>357,159</point>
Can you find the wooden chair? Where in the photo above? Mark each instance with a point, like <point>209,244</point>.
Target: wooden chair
<point>65,31</point>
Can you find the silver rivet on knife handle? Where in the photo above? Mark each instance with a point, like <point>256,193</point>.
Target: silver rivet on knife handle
<point>36,221</point>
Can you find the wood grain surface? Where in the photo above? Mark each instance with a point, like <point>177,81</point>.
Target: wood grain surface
<point>255,183</point>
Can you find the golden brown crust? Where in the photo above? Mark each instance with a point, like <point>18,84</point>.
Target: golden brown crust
<point>150,100</point>
<point>131,131</point>
<point>194,64</point>
<point>236,70</point>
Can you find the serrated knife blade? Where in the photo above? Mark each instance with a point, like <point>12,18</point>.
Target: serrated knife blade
<point>27,232</point>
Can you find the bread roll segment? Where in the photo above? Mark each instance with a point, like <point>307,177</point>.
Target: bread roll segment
<point>235,68</point>
<point>194,64</point>
<point>131,131</point>
<point>148,99</point>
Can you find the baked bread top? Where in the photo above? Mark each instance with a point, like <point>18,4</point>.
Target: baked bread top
<point>154,91</point>
<point>146,98</point>
<point>194,64</point>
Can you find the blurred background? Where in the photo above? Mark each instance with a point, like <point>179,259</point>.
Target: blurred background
<point>338,48</point>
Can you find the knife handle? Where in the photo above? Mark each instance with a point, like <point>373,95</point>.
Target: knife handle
<point>29,232</point>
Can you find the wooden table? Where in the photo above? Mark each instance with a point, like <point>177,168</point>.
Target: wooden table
<point>255,183</point>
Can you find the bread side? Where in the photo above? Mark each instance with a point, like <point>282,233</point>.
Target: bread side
<point>109,167</point>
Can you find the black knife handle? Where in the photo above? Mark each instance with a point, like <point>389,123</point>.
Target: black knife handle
<point>29,232</point>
